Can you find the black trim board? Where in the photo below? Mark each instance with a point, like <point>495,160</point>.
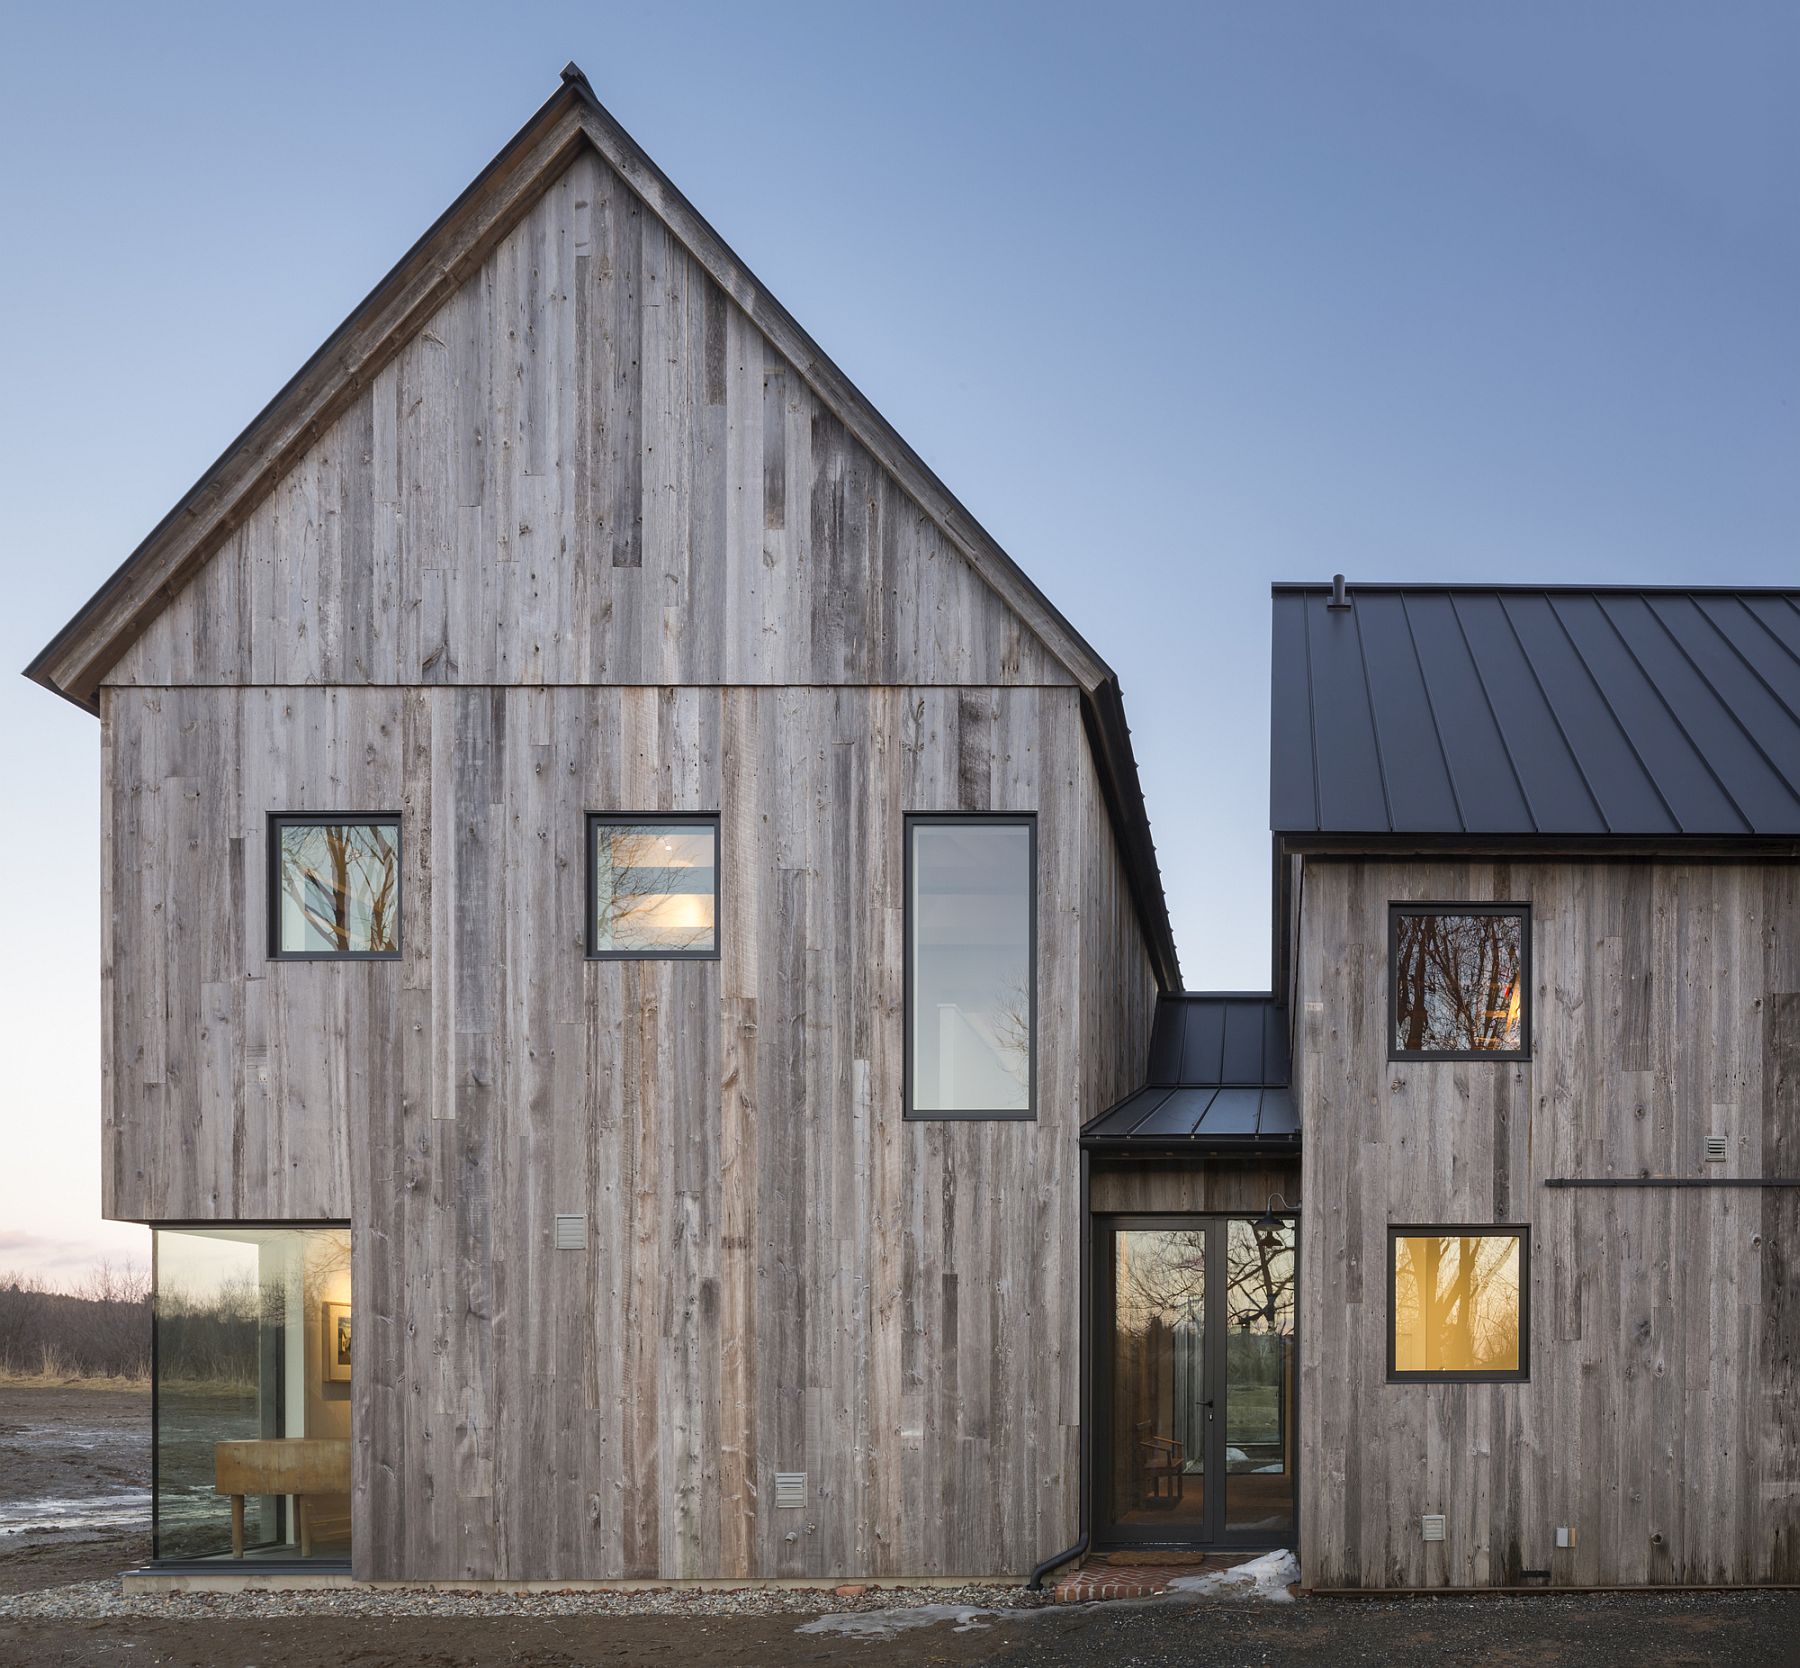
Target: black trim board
<point>1672,1181</point>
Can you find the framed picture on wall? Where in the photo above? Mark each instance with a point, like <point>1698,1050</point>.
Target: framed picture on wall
<point>335,1347</point>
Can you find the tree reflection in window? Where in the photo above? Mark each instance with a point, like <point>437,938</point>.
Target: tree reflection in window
<point>1459,983</point>
<point>655,888</point>
<point>1457,1303</point>
<point>339,888</point>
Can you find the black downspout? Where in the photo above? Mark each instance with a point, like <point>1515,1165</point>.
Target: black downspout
<point>1084,1447</point>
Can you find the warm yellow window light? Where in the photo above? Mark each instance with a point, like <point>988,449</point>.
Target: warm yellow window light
<point>1458,1302</point>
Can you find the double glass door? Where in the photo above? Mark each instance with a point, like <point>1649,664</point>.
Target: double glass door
<point>1198,1439</point>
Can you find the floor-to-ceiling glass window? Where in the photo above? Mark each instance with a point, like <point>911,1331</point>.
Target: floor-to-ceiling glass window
<point>252,1395</point>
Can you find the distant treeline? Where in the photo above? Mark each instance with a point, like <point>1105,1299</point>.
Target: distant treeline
<point>99,1328</point>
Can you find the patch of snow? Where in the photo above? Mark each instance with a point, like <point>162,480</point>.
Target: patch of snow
<point>1267,1577</point>
<point>115,1509</point>
<point>889,1624</point>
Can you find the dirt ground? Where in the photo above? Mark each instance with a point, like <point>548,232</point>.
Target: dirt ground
<point>74,1484</point>
<point>68,1456</point>
<point>1749,1631</point>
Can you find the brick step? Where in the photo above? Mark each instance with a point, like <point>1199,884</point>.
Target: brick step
<point>1135,1575</point>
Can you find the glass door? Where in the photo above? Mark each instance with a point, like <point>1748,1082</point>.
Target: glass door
<point>1197,1438</point>
<point>1258,1429</point>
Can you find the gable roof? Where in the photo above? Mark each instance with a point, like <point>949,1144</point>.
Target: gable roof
<point>1218,1079</point>
<point>76,660</point>
<point>1597,711</point>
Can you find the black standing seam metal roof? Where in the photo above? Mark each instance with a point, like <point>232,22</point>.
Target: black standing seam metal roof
<point>1218,1077</point>
<point>1536,710</point>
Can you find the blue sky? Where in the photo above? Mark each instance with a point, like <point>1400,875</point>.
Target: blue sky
<point>1179,300</point>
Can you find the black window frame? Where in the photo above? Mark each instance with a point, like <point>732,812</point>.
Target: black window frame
<point>966,819</point>
<point>631,819</point>
<point>1462,1230</point>
<point>279,820</point>
<point>1398,908</point>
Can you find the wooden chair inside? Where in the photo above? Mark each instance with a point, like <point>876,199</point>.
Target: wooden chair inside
<point>1161,1467</point>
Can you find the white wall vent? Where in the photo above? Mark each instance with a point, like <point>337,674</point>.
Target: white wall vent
<point>1717,1149</point>
<point>1431,1526</point>
<point>570,1233</point>
<point>790,1488</point>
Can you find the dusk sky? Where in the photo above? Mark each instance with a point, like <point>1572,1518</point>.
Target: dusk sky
<point>1178,299</point>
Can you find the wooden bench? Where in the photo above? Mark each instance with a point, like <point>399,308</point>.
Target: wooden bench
<point>300,1466</point>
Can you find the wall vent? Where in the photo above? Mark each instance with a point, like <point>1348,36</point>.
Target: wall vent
<point>1431,1526</point>
<point>1716,1149</point>
<point>790,1488</point>
<point>570,1233</point>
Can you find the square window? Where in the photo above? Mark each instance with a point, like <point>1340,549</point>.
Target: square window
<point>1461,977</point>
<point>334,887</point>
<point>653,887</point>
<point>1458,1303</point>
<point>971,967</point>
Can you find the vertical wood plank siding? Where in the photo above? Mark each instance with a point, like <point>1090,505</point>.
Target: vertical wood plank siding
<point>1660,1417</point>
<point>782,1274</point>
<point>589,467</point>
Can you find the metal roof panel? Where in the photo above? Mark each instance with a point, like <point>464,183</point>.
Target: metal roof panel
<point>1345,752</point>
<point>1232,1112</point>
<point>1536,711</point>
<point>1422,793</point>
<point>1487,786</point>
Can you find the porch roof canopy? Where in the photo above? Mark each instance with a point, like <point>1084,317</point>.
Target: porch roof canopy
<point>1218,1080</point>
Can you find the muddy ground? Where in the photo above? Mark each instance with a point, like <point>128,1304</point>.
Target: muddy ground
<point>74,1471</point>
<point>74,1484</point>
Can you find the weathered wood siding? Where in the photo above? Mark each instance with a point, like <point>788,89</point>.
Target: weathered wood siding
<point>1177,1186</point>
<point>1662,1416</point>
<point>589,468</point>
<point>782,1274</point>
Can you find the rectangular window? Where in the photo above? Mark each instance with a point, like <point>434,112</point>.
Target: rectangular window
<point>1461,973</point>
<point>653,887</point>
<point>250,1364</point>
<point>1458,1303</point>
<point>971,967</point>
<point>334,886</point>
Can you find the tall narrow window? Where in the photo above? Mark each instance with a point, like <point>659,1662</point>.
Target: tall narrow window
<point>653,887</point>
<point>971,967</point>
<point>334,886</point>
<point>1457,1303</point>
<point>1461,974</point>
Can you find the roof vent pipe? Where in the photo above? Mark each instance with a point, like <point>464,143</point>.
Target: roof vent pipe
<point>1338,599</point>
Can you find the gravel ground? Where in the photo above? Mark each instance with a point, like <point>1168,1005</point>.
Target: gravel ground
<point>102,1600</point>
